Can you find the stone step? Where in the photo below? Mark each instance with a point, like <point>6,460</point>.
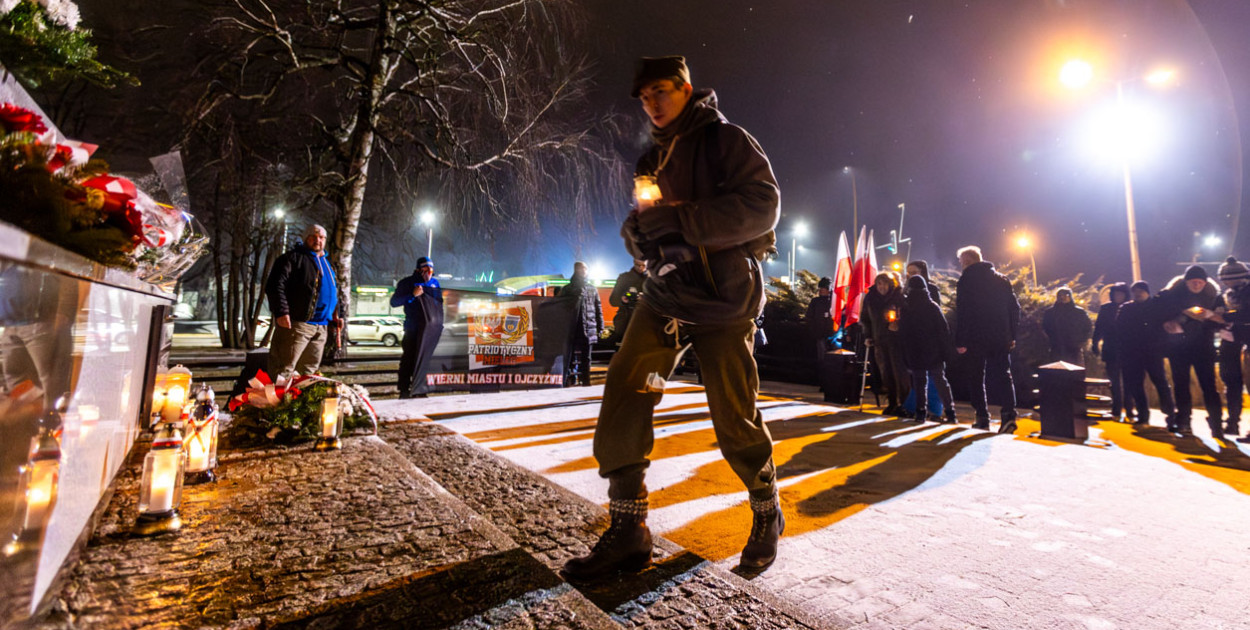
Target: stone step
<point>293,538</point>
<point>682,590</point>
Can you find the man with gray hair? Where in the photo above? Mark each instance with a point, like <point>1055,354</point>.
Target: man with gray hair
<point>987,315</point>
<point>303,299</point>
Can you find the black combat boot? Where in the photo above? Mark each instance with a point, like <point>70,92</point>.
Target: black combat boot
<point>766,528</point>
<point>626,546</point>
<point>950,415</point>
<point>982,423</point>
<point>1232,426</point>
<point>1008,424</point>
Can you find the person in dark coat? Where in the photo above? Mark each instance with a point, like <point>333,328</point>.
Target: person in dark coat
<point>987,315</point>
<point>926,342</point>
<point>422,298</point>
<point>1188,304</point>
<point>707,207</point>
<point>921,268</point>
<point>1234,307</point>
<point>883,305</point>
<point>819,320</point>
<point>303,299</point>
<point>1067,328</point>
<point>1104,345</point>
<point>585,327</point>
<point>625,296</point>
<point>1138,334</point>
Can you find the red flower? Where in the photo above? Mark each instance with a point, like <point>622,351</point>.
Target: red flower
<point>15,119</point>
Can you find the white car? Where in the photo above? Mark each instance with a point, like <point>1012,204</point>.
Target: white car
<point>389,330</point>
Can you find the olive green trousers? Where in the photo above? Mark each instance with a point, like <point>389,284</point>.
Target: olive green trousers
<point>653,344</point>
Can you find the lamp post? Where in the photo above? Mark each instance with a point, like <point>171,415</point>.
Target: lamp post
<point>279,213</point>
<point>854,199</point>
<point>1025,243</point>
<point>427,219</point>
<point>800,230</point>
<point>1077,74</point>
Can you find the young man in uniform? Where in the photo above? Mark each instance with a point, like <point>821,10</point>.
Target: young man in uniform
<point>703,240</point>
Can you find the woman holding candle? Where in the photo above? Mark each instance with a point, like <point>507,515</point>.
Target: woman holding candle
<point>879,317</point>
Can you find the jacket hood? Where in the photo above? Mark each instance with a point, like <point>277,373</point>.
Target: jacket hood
<point>1212,289</point>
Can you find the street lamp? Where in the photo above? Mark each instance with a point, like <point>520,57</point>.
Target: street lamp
<point>279,213</point>
<point>1077,74</point>
<point>1025,243</point>
<point>854,199</point>
<point>800,230</point>
<point>427,219</point>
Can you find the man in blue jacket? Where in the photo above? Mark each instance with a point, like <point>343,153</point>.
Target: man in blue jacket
<point>422,299</point>
<point>303,299</point>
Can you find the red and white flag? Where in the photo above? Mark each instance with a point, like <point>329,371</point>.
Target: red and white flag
<point>862,274</point>
<point>841,282</point>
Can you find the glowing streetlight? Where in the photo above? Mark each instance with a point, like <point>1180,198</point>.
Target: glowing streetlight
<point>1130,127</point>
<point>1076,74</point>
<point>800,230</point>
<point>427,219</point>
<point>279,213</point>
<point>1024,242</point>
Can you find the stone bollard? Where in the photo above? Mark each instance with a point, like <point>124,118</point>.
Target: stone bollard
<point>1061,387</point>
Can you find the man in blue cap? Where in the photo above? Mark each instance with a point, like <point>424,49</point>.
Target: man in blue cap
<point>422,299</point>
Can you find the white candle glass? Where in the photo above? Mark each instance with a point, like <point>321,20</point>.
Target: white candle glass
<point>175,398</point>
<point>161,488</point>
<point>201,447</point>
<point>330,417</point>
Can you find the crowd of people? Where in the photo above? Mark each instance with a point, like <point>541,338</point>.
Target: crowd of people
<point>1194,322</point>
<point>707,203</point>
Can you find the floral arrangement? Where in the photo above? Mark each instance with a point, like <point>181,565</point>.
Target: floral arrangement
<point>289,410</point>
<point>41,41</point>
<point>53,189</point>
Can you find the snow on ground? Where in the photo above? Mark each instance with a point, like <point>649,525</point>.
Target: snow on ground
<point>899,525</point>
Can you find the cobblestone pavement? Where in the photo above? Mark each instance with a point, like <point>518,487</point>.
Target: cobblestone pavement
<point>894,524</point>
<point>293,538</point>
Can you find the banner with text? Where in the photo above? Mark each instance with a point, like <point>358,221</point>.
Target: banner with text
<point>497,342</point>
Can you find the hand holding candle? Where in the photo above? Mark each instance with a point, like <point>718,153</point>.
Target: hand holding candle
<point>646,191</point>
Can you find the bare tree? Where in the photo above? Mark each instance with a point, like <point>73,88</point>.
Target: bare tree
<point>480,97</point>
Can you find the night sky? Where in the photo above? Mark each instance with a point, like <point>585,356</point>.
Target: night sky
<point>954,108</point>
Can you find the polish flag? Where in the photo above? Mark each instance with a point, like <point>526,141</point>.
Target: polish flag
<point>862,274</point>
<point>841,282</point>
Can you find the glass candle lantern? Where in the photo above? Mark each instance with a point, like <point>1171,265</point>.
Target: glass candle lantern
<point>160,492</point>
<point>177,386</point>
<point>646,191</point>
<point>200,444</point>
<point>331,426</point>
